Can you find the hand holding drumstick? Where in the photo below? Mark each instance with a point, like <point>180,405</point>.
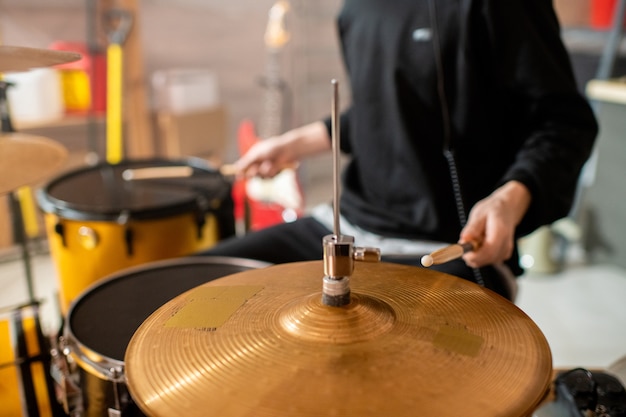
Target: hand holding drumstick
<point>488,237</point>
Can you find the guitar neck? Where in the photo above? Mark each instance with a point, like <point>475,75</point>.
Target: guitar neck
<point>275,107</point>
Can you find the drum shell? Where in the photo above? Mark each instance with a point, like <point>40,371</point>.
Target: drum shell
<point>90,241</point>
<point>78,266</point>
<point>97,329</point>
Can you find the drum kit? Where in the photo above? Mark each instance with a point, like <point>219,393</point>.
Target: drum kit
<point>344,336</point>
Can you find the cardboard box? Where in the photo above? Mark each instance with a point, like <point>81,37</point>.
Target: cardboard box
<point>201,133</point>
<point>184,90</point>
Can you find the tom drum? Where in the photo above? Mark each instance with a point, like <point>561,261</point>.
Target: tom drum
<point>99,220</point>
<point>102,320</point>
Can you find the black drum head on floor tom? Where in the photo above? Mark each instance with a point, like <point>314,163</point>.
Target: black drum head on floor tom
<point>104,318</point>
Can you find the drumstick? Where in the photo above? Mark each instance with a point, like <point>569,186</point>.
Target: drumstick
<point>227,170</point>
<point>170,172</point>
<point>448,253</point>
<point>157,172</point>
<point>231,170</point>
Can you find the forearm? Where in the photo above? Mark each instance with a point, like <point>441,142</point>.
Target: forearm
<point>307,140</point>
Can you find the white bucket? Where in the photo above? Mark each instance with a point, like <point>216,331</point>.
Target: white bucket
<point>36,96</point>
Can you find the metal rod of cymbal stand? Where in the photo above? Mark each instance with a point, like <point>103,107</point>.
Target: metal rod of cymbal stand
<point>338,249</point>
<point>336,149</point>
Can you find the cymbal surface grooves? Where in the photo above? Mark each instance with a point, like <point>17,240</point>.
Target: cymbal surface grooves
<point>411,342</point>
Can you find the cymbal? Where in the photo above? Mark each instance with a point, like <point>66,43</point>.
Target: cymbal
<point>20,58</point>
<point>26,159</point>
<point>411,342</point>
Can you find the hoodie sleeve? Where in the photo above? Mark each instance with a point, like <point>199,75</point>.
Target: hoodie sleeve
<point>535,69</point>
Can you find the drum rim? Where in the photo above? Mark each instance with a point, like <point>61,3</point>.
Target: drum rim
<point>72,211</point>
<point>112,369</point>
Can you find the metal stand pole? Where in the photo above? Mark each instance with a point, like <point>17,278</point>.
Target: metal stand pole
<point>607,60</point>
<point>20,236</point>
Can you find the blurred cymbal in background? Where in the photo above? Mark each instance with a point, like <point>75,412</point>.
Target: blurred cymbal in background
<point>20,58</point>
<point>26,159</point>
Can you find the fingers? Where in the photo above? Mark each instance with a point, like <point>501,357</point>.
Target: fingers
<point>492,250</point>
<point>494,220</point>
<point>264,159</point>
<point>268,157</point>
<point>494,232</point>
<point>257,160</point>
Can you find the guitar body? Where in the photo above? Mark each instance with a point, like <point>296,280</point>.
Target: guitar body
<point>260,203</point>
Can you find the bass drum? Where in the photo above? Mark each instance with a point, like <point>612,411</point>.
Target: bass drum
<point>101,322</point>
<point>100,220</point>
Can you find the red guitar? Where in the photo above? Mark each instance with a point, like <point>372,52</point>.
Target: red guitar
<point>260,203</point>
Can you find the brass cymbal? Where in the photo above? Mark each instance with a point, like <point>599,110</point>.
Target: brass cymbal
<point>26,159</point>
<point>20,58</point>
<point>412,342</point>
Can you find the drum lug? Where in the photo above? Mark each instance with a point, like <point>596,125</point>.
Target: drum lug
<point>116,411</point>
<point>128,239</point>
<point>128,232</point>
<point>200,222</point>
<point>203,207</point>
<point>68,393</point>
<point>59,229</point>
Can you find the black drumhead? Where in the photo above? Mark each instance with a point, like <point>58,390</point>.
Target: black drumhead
<point>105,317</point>
<point>101,193</point>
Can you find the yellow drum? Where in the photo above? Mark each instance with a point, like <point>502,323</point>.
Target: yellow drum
<point>106,218</point>
<point>26,386</point>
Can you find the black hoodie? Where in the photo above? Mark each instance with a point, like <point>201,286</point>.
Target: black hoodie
<point>514,112</point>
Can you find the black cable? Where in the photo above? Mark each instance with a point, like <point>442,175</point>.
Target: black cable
<point>447,133</point>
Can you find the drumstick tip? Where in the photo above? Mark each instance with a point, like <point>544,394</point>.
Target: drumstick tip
<point>427,260</point>
<point>228,170</point>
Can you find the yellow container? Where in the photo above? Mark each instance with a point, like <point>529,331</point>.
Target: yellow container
<point>76,90</point>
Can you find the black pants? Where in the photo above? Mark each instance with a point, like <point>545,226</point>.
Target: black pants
<point>301,240</point>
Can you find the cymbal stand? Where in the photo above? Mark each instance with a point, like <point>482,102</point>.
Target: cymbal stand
<point>19,231</point>
<point>339,250</point>
<point>7,126</point>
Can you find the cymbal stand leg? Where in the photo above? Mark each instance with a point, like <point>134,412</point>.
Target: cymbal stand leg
<point>20,236</point>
